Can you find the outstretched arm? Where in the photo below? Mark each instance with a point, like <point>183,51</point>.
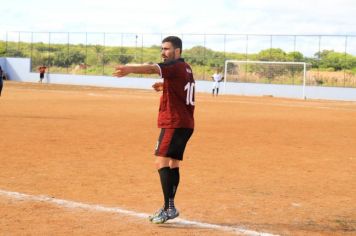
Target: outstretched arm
<point>122,70</point>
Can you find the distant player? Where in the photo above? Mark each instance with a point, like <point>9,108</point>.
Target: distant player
<point>175,118</point>
<point>217,78</point>
<point>42,71</point>
<point>1,82</point>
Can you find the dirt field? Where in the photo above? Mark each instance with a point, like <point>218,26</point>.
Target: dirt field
<point>269,165</point>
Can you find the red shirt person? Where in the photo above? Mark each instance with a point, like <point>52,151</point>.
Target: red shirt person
<point>175,118</point>
<point>177,102</point>
<point>42,70</point>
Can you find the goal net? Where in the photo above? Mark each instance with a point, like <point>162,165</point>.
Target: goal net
<point>266,72</point>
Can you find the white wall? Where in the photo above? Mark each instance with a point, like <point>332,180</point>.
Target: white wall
<point>2,62</point>
<point>19,69</point>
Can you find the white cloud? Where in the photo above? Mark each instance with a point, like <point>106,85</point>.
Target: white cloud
<point>184,16</point>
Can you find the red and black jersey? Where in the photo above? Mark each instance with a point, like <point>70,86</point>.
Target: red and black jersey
<point>177,101</point>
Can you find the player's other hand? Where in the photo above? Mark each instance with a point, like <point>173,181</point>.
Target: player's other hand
<point>121,71</point>
<point>158,86</point>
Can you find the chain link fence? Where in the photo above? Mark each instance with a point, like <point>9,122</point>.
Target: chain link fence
<point>331,58</point>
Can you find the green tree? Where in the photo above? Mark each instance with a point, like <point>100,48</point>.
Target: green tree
<point>76,57</point>
<point>272,54</point>
<point>61,59</point>
<point>295,56</point>
<point>335,60</point>
<point>118,55</point>
<point>14,53</point>
<point>196,55</point>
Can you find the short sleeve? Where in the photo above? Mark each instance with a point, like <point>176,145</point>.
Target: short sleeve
<point>166,70</point>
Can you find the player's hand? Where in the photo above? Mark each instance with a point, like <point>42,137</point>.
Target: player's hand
<point>121,71</point>
<point>158,86</point>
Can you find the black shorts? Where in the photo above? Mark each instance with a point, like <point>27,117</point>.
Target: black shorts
<point>41,75</point>
<point>171,142</point>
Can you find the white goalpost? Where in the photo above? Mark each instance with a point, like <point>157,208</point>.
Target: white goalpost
<point>266,72</point>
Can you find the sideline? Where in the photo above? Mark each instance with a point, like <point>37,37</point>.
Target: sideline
<point>278,102</point>
<point>99,208</point>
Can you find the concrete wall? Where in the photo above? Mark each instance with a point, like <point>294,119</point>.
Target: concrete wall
<point>19,69</point>
<point>2,62</point>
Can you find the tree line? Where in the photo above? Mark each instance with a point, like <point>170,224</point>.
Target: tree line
<point>68,55</point>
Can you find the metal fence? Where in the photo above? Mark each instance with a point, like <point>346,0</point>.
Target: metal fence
<point>97,53</point>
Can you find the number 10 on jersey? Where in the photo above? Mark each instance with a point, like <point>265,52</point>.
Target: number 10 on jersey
<point>190,93</point>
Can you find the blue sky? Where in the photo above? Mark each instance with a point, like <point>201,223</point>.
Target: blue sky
<point>183,16</point>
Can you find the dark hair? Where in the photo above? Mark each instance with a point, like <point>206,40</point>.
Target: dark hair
<point>175,41</point>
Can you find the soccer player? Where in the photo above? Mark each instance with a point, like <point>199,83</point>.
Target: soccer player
<point>217,78</point>
<point>175,118</point>
<point>42,70</point>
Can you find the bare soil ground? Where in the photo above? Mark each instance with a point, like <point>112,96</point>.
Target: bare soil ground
<point>272,165</point>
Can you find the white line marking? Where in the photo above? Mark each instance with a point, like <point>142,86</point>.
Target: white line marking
<point>329,104</point>
<point>312,105</point>
<point>95,207</point>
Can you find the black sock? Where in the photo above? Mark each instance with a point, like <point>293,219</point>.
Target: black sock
<point>174,181</point>
<point>164,174</point>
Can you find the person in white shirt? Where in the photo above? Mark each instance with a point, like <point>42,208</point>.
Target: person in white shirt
<point>217,78</point>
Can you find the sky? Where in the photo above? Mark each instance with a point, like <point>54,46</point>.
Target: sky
<point>183,16</point>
